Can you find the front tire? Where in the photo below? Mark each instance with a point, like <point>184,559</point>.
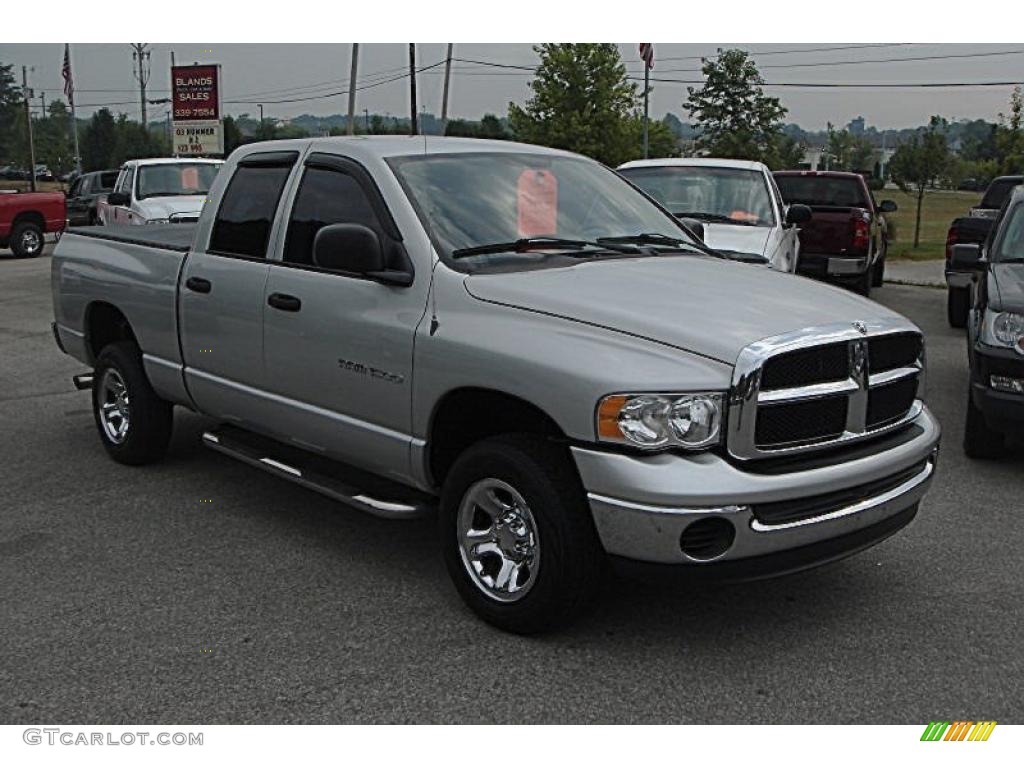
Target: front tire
<point>517,536</point>
<point>27,240</point>
<point>878,271</point>
<point>133,421</point>
<point>980,440</point>
<point>958,304</point>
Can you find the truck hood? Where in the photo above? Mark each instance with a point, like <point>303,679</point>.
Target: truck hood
<point>165,207</point>
<point>1009,281</point>
<point>733,237</point>
<point>700,304</point>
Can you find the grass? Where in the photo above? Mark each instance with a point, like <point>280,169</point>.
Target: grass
<point>938,209</point>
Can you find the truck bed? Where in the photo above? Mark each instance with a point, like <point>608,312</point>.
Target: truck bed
<point>172,237</point>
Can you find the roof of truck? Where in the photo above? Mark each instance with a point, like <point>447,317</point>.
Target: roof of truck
<point>396,146</point>
<point>692,162</point>
<point>167,160</point>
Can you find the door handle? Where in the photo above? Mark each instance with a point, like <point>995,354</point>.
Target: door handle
<point>284,302</point>
<point>199,285</point>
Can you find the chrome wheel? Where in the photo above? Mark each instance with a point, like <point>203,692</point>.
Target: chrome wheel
<point>115,415</point>
<point>31,241</point>
<point>498,540</point>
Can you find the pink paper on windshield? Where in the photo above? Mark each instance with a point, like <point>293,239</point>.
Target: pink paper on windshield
<point>190,177</point>
<point>537,203</point>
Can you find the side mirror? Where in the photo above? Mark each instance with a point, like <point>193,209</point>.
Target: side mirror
<point>348,248</point>
<point>696,228</point>
<point>887,206</point>
<point>119,198</point>
<point>798,214</point>
<point>965,257</point>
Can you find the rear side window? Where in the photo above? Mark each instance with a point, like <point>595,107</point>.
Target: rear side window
<point>104,182</point>
<point>823,191</point>
<point>998,192</point>
<point>242,226</point>
<point>325,197</point>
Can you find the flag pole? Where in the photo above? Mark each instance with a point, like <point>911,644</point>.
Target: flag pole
<point>647,88</point>
<point>71,99</point>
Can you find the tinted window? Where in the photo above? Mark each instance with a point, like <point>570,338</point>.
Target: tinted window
<point>325,197</point>
<point>999,191</point>
<point>103,182</point>
<point>823,191</point>
<point>243,222</point>
<point>1010,245</point>
<point>78,187</point>
<point>125,184</point>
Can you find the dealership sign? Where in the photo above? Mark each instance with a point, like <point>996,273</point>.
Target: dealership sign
<point>196,92</point>
<point>195,96</point>
<point>203,137</point>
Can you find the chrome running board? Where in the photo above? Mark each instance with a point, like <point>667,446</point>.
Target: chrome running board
<point>292,464</point>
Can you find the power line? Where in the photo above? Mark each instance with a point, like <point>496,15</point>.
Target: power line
<point>794,50</point>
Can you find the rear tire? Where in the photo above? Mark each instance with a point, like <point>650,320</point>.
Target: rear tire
<point>878,272</point>
<point>980,440</point>
<point>958,304</point>
<point>133,421</point>
<point>27,240</point>
<point>862,283</point>
<point>550,549</point>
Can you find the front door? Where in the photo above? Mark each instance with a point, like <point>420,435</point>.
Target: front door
<point>338,348</point>
<point>221,296</point>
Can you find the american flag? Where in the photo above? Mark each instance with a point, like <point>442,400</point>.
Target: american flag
<point>69,84</point>
<point>647,54</point>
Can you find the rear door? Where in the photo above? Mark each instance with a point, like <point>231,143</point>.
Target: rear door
<point>78,201</point>
<point>338,348</point>
<point>221,292</point>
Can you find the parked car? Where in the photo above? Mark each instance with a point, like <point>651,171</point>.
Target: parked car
<point>158,191</point>
<point>995,331</point>
<point>85,193</point>
<point>43,173</point>
<point>519,337</point>
<point>733,205</point>
<point>846,239</point>
<point>25,217</point>
<point>972,229</point>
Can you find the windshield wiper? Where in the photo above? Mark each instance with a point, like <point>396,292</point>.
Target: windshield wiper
<point>705,216</point>
<point>526,244</point>
<point>656,238</point>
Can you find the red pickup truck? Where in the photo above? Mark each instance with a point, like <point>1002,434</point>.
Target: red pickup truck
<point>846,239</point>
<point>26,216</point>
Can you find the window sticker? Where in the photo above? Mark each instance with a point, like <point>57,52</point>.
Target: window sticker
<point>190,177</point>
<point>537,203</point>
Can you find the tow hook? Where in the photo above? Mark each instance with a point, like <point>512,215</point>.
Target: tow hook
<point>82,381</point>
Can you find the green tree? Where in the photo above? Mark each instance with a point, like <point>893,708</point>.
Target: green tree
<point>232,136</point>
<point>848,151</point>
<point>1009,136</point>
<point>735,117</point>
<point>919,162</point>
<point>97,142</point>
<point>53,139</point>
<point>582,101</point>
<point>784,153</point>
<point>11,109</point>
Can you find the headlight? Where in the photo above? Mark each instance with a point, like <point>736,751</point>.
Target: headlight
<point>692,421</point>
<point>158,221</point>
<point>1003,329</point>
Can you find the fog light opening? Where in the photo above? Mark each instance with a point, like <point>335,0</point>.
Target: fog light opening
<point>707,538</point>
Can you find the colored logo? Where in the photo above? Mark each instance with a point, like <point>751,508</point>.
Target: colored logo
<point>960,730</point>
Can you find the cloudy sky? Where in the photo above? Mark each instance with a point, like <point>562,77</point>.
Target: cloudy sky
<point>292,79</point>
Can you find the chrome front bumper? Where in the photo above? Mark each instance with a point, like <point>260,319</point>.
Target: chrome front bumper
<point>641,505</point>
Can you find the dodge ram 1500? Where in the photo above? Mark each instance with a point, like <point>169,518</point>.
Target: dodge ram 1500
<point>519,339</point>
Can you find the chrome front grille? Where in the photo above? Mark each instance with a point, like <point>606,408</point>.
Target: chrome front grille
<point>821,387</point>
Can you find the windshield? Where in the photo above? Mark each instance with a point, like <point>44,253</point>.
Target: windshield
<point>726,195</point>
<point>173,179</point>
<point>823,191</point>
<point>1010,243</point>
<point>998,192</point>
<point>469,200</point>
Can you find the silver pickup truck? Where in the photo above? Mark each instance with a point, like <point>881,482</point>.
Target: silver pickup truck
<point>518,338</point>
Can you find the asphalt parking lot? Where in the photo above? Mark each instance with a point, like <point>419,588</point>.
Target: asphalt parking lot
<point>200,590</point>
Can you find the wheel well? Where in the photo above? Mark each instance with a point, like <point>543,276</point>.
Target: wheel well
<point>32,217</point>
<point>466,416</point>
<point>105,324</point>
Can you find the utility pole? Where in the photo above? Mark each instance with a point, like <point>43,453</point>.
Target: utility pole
<point>28,121</point>
<point>413,125</point>
<point>259,133</point>
<point>444,92</point>
<point>42,103</point>
<point>141,70</point>
<point>366,114</point>
<point>351,125</point>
